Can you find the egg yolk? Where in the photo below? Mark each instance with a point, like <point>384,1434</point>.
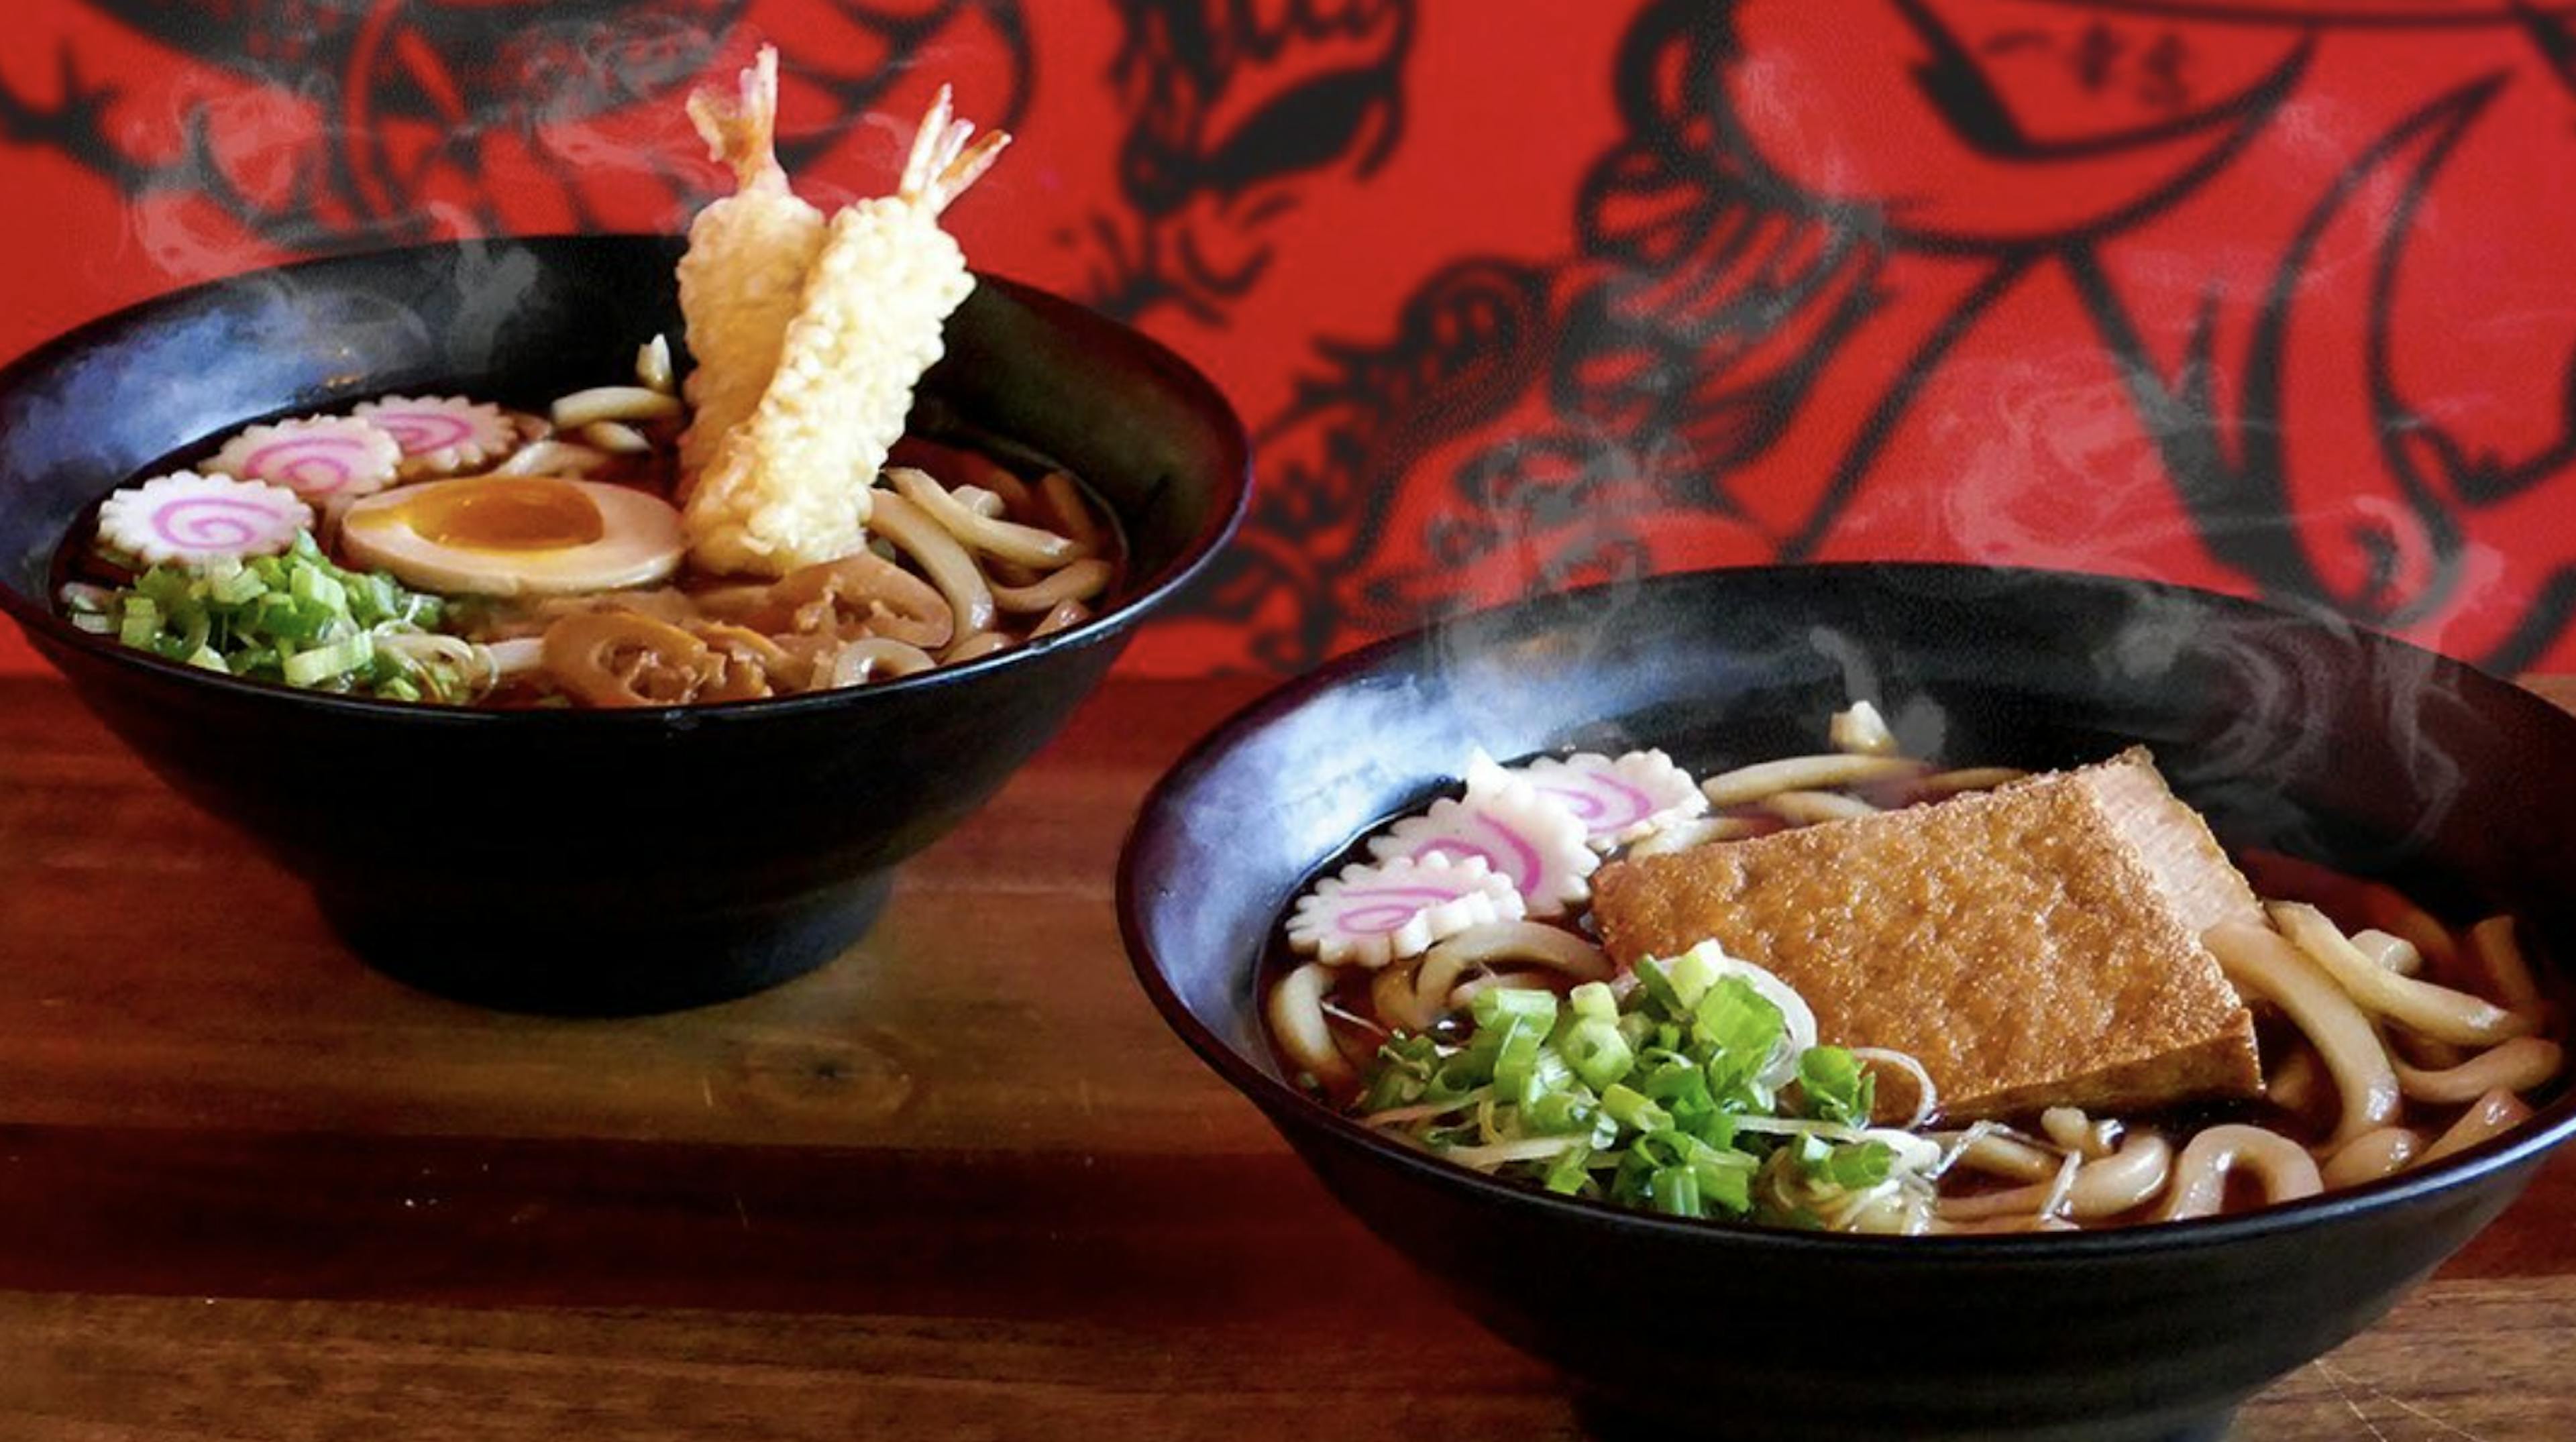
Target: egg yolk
<point>506,514</point>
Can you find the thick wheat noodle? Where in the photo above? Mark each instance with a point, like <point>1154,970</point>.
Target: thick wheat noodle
<point>1682,835</point>
<point>2370,1156</point>
<point>1860,730</point>
<point>1803,773</point>
<point>1810,808</point>
<point>2004,1226</point>
<point>2199,1187</point>
<point>1072,516</point>
<point>2508,971</point>
<point>870,657</point>
<point>552,458</point>
<point>1927,1095</point>
<point>977,645</point>
<point>1391,997</point>
<point>2072,1130</point>
<point>2422,1050</point>
<point>1484,946</point>
<point>1028,545</point>
<point>2436,1011</point>
<point>1078,582</point>
<point>2262,961</point>
<point>1465,992</point>
<point>2513,1066</point>
<point>1297,1018</point>
<point>2495,1112</point>
<point>988,504</point>
<point>2103,1187</point>
<point>940,558</point>
<point>1065,614</point>
<point>2389,910</point>
<point>970,467</point>
<point>1971,778</point>
<point>2389,952</point>
<point>1999,1155</point>
<point>2293,1083</point>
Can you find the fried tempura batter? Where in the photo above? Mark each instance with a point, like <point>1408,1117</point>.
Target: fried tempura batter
<point>788,486</point>
<point>745,268</point>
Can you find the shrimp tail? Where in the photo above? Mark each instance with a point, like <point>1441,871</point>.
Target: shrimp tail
<point>745,269</point>
<point>791,485</point>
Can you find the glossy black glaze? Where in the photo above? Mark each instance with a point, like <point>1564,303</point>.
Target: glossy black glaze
<point>2298,734</point>
<point>584,861</point>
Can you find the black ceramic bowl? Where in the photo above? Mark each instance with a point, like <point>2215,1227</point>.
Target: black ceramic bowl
<point>2299,735</point>
<point>584,861</point>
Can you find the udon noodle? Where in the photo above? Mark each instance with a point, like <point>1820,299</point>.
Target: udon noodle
<point>2387,1039</point>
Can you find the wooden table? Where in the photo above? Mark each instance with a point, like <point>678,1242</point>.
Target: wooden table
<point>962,1179</point>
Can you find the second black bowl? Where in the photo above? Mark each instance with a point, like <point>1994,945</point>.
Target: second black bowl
<point>584,861</point>
<point>2294,734</point>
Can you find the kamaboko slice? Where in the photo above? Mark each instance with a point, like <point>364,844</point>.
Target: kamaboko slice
<point>442,435</point>
<point>1377,912</point>
<point>321,458</point>
<point>745,268</point>
<point>196,520</point>
<point>790,485</point>
<point>1530,839</point>
<point>1618,799</point>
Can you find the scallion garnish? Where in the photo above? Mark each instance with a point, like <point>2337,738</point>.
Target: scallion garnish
<point>1677,1098</point>
<point>295,618</point>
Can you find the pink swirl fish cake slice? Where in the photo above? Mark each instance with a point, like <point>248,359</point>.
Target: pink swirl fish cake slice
<point>1617,800</point>
<point>198,520</point>
<point>321,458</point>
<point>442,435</point>
<point>1532,840</point>
<point>1375,913</point>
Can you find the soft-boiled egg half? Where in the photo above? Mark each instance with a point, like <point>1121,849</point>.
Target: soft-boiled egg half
<point>515,536</point>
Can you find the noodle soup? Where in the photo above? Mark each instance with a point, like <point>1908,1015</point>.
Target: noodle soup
<point>491,575</point>
<point>1823,992</point>
<point>763,526</point>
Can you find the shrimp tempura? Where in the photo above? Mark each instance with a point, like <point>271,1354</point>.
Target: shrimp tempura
<point>789,486</point>
<point>745,269</point>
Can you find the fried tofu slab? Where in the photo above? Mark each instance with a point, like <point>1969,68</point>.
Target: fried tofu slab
<point>2033,946</point>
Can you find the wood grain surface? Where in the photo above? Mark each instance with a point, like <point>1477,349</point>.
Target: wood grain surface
<point>961,1183</point>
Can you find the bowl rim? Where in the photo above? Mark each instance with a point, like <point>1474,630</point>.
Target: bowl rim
<point>36,616</point>
<point>1282,1101</point>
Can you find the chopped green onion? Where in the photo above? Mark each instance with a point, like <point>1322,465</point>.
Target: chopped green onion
<point>1517,1061</point>
<point>325,663</point>
<point>1570,1172</point>
<point>1738,1029</point>
<point>1648,1099</point>
<point>295,618</point>
<point>1632,1109</point>
<point>1496,1003</point>
<point>1595,1001</point>
<point>1597,1052</point>
<point>1837,1088</point>
<point>232,585</point>
<point>141,621</point>
<point>1693,973</point>
<point>1674,1191</point>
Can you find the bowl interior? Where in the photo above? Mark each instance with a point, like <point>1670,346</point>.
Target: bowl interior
<point>526,320</point>
<point>2294,734</point>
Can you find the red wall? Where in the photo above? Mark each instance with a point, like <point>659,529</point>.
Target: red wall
<point>2269,296</point>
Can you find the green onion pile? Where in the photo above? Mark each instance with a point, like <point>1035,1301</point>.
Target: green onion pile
<point>294,618</point>
<point>1688,1097</point>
